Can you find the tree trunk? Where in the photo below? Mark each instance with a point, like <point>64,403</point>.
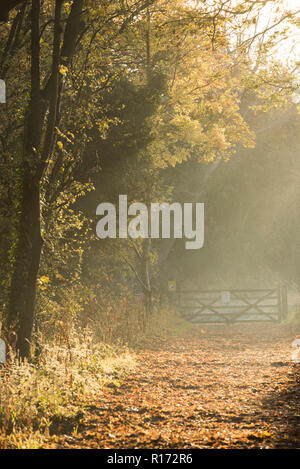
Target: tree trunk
<point>24,280</point>
<point>28,236</point>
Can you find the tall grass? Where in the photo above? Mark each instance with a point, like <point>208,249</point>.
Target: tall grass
<point>38,399</point>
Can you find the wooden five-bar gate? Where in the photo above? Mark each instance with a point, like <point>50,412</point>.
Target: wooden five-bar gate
<point>229,306</point>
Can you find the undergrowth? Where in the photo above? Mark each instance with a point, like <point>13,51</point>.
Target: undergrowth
<point>42,398</point>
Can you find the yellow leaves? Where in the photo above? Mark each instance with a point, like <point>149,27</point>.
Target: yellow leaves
<point>218,138</point>
<point>260,435</point>
<point>265,433</point>
<point>188,129</point>
<point>201,114</point>
<point>60,145</point>
<point>65,135</point>
<point>63,70</point>
<point>44,279</point>
<point>42,282</point>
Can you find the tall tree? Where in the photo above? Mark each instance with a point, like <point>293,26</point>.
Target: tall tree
<point>36,151</point>
<point>45,164</point>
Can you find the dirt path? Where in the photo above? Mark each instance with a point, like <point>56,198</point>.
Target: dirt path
<point>220,387</point>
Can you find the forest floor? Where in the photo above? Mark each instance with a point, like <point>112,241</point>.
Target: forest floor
<point>217,387</point>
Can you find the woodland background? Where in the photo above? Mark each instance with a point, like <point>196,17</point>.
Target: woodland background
<point>160,100</point>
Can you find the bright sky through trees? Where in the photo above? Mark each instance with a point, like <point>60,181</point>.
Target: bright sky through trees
<point>289,49</point>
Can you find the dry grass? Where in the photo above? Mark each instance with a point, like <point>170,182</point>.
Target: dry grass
<point>40,399</point>
<point>50,395</point>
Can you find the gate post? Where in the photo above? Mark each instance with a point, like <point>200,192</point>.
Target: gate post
<point>179,297</point>
<point>283,303</point>
<point>279,303</point>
